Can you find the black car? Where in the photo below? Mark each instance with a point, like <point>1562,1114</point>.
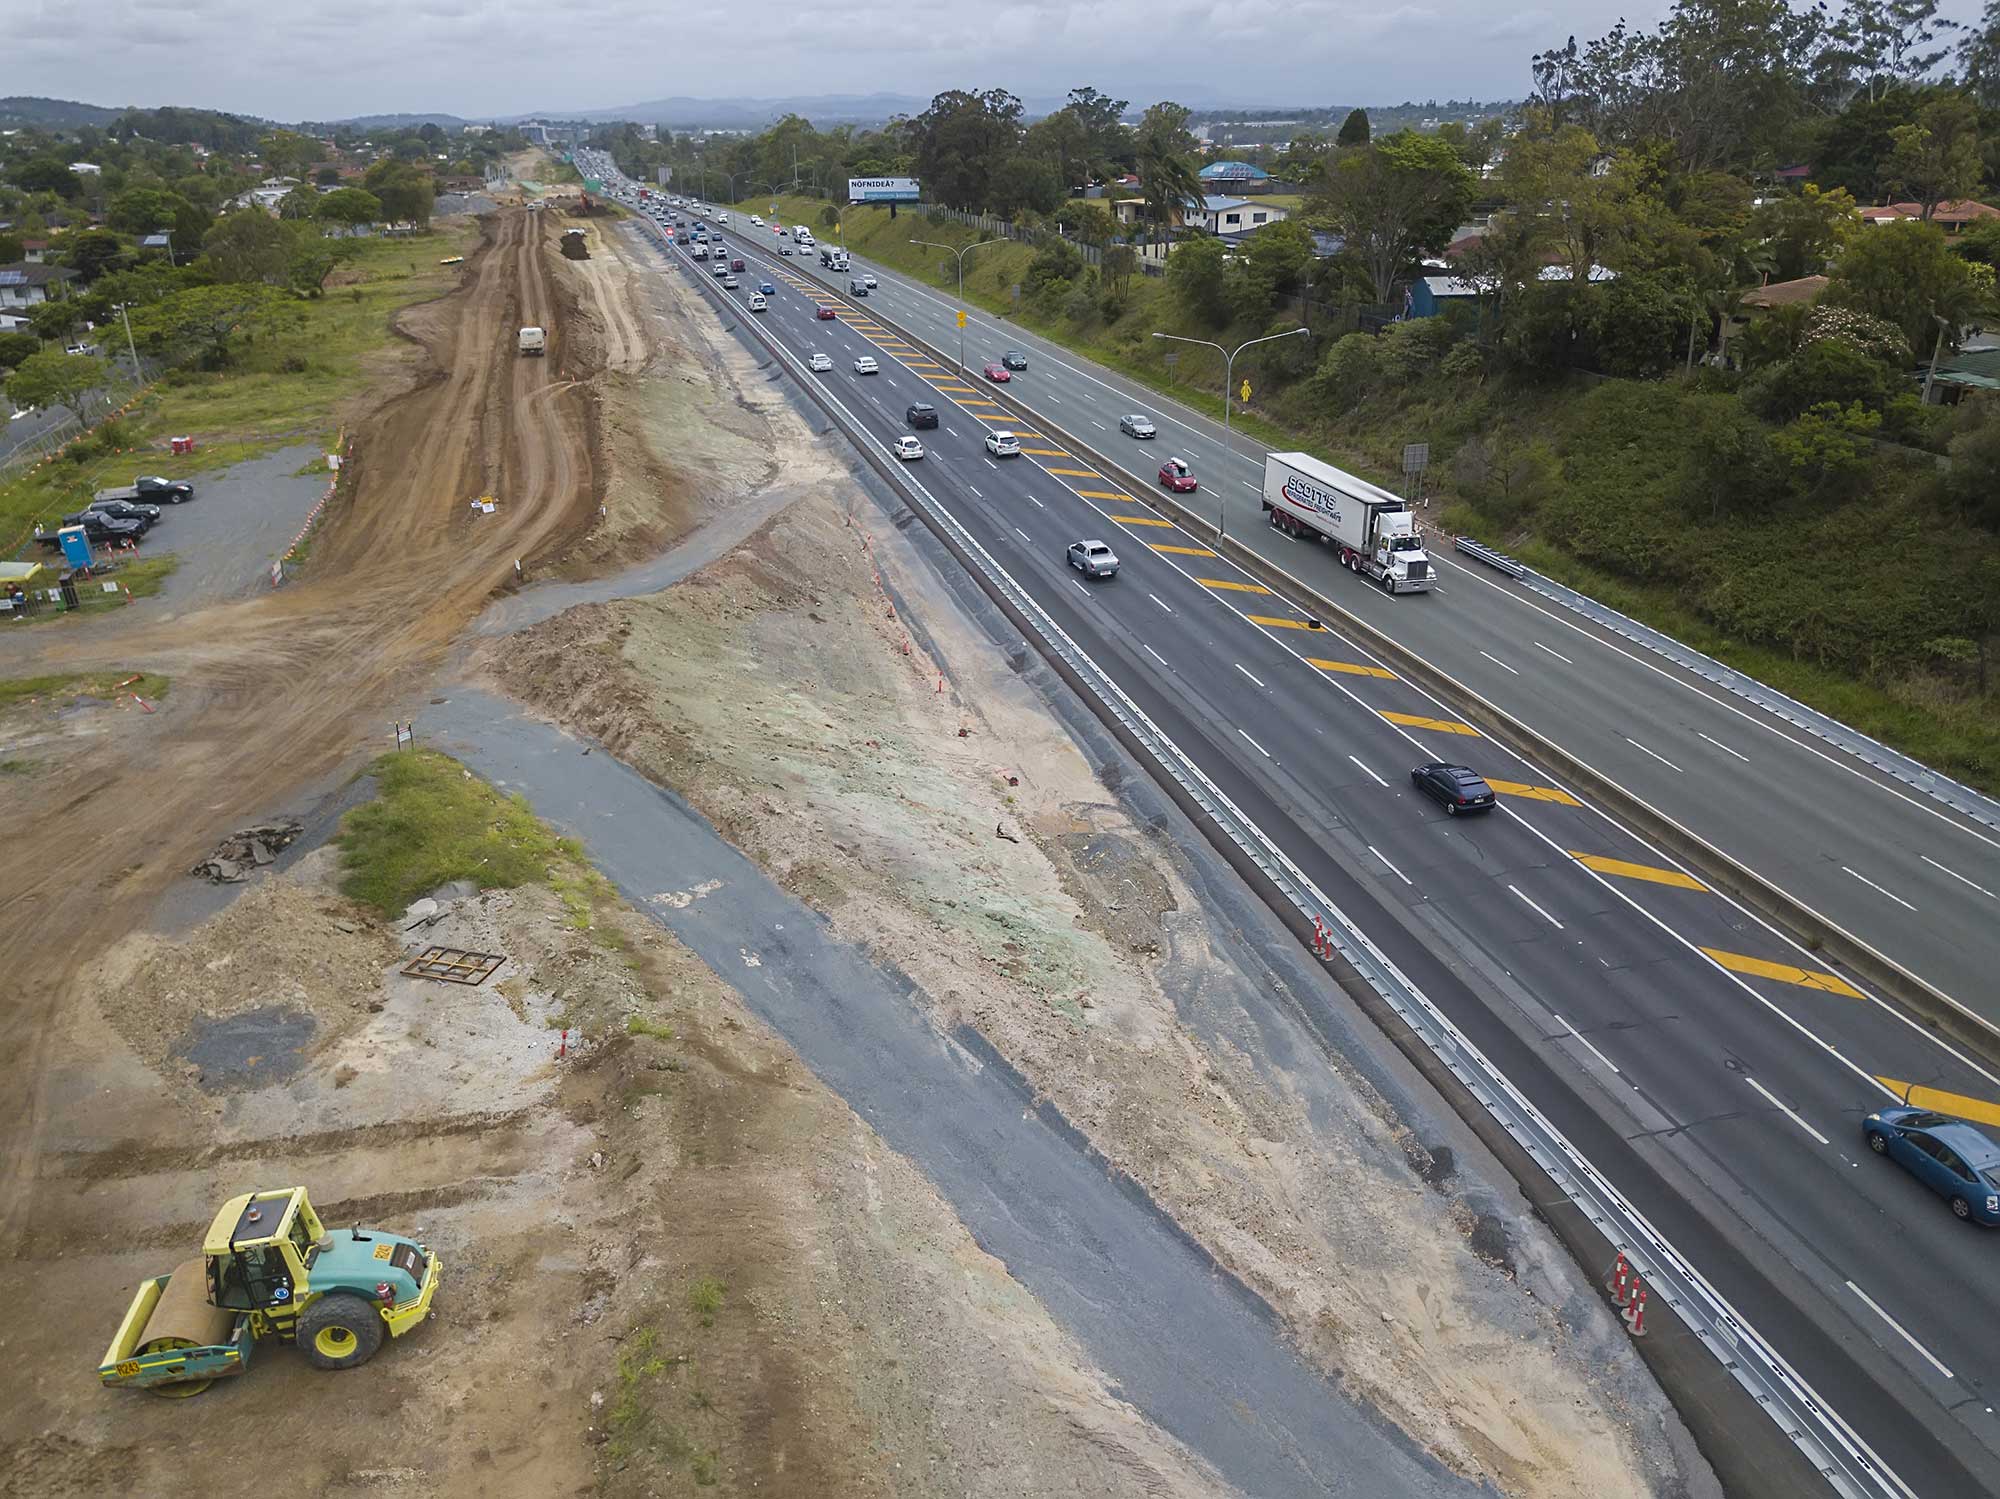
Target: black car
<point>856,287</point>
<point>1014,359</point>
<point>158,491</point>
<point>112,525</point>
<point>921,415</point>
<point>126,510</point>
<point>1460,789</point>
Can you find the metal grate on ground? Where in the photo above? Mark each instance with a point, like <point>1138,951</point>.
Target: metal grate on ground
<point>454,965</point>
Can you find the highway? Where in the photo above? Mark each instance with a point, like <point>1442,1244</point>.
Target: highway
<point>1712,1068</point>
<point>1911,877</point>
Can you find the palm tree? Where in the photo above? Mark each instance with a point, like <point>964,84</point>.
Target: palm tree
<point>1166,182</point>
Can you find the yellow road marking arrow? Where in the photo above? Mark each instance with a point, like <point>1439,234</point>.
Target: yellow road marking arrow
<point>1419,721</point>
<point>1625,869</point>
<point>1958,1105</point>
<point>1784,973</point>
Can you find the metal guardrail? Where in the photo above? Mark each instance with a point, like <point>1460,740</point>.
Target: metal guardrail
<point>1481,552</point>
<point>1891,762</point>
<point>1835,1450</point>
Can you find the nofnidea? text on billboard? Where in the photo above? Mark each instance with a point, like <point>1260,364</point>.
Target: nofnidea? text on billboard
<point>882,190</point>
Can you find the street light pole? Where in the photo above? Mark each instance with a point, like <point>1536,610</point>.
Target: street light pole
<point>138,375</point>
<point>961,254</point>
<point>1228,395</point>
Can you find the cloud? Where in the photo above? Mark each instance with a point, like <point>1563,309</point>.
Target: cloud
<point>487,57</point>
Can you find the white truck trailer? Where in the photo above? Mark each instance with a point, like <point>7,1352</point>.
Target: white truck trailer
<point>1371,529</point>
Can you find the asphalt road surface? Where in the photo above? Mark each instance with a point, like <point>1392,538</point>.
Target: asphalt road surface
<point>1714,1069</point>
<point>1911,877</point>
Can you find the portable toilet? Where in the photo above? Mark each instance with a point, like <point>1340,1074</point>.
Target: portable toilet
<point>75,546</point>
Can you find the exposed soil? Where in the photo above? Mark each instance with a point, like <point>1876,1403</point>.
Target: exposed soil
<point>938,814</point>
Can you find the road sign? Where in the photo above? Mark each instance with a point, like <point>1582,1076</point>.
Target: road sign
<point>1244,393</point>
<point>1416,457</point>
<point>961,317</point>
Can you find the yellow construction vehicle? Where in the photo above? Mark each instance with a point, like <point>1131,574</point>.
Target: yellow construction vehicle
<point>270,1269</point>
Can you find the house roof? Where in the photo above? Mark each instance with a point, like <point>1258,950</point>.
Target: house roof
<point>1447,287</point>
<point>22,274</point>
<point>1950,211</point>
<point>155,242</point>
<point>1785,293</point>
<point>1241,171</point>
<point>1978,368</point>
<point>1793,174</point>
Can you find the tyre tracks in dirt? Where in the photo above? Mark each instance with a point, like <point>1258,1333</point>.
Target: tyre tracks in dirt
<point>273,693</point>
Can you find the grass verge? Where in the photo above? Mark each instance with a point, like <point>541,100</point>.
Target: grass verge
<point>54,691</point>
<point>432,821</point>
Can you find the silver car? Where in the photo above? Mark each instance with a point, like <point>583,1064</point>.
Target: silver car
<point>1093,559</point>
<point>1136,425</point>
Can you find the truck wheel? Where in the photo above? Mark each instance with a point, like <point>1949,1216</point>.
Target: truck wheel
<point>339,1331</point>
<point>1388,582</point>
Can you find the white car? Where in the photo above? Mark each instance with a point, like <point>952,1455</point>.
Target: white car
<point>868,281</point>
<point>757,221</point>
<point>866,365</point>
<point>1003,444</point>
<point>722,218</point>
<point>907,447</point>
<point>757,302</point>
<point>819,363</point>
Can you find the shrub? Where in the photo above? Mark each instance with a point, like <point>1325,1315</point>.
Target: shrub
<point>1831,370</point>
<point>1411,349</point>
<point>1463,362</point>
<point>1350,371</point>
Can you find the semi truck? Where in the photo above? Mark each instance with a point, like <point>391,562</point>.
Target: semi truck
<point>534,341</point>
<point>1371,529</point>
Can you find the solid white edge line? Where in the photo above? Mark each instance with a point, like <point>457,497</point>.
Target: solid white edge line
<point>1786,1110</point>
<point>1370,774</point>
<point>1584,1041</point>
<point>1902,1331</point>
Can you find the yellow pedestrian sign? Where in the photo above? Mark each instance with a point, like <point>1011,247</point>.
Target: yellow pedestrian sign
<point>961,317</point>
<point>1244,393</point>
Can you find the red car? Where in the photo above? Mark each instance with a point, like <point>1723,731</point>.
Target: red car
<point>736,265</point>
<point>825,314</point>
<point>997,373</point>
<point>1177,476</point>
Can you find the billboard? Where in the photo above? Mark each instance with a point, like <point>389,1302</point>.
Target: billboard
<point>882,190</point>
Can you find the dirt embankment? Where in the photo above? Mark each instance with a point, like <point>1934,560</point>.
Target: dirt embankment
<point>939,815</point>
<point>673,1259</point>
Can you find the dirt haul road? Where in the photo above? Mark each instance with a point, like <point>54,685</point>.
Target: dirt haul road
<point>272,692</point>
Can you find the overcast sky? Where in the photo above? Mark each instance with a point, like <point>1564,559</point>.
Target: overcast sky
<point>500,57</point>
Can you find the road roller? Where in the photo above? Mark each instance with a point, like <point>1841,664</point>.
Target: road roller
<point>270,1270</point>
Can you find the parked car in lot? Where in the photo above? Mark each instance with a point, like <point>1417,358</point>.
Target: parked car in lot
<point>139,524</point>
<point>1014,359</point>
<point>99,528</point>
<point>820,363</point>
<point>1177,476</point>
<point>907,448</point>
<point>921,414</point>
<point>150,489</point>
<point>997,373</point>
<point>865,365</point>
<point>825,314</point>
<point>1093,559</point>
<point>1003,444</point>
<point>1135,425</point>
<point>1953,1159</point>
<point>126,510</point>
<point>1457,787</point>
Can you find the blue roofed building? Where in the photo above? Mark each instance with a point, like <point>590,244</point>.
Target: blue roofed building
<point>1238,177</point>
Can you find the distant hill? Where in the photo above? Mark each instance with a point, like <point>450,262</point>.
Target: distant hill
<point>393,122</point>
<point>53,114</point>
<point>752,114</point>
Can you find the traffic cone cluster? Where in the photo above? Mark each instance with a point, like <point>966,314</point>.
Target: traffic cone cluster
<point>1629,1293</point>
<point>1322,940</point>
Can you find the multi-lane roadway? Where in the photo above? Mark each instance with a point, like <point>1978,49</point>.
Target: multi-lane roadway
<point>1714,1069</point>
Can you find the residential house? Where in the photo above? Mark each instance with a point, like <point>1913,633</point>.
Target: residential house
<point>85,168</point>
<point>1968,370</point>
<point>1767,298</point>
<point>1952,216</point>
<point>35,251</point>
<point>1430,295</point>
<point>1239,177</point>
<point>1233,216</point>
<point>23,285</point>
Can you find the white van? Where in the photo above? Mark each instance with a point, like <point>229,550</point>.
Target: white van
<point>757,303</point>
<point>533,341</point>
<point>802,235</point>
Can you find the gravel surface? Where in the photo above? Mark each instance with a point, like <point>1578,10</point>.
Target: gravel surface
<point>239,522</point>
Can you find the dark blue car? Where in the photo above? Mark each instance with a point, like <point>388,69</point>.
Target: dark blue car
<point>1950,1157</point>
